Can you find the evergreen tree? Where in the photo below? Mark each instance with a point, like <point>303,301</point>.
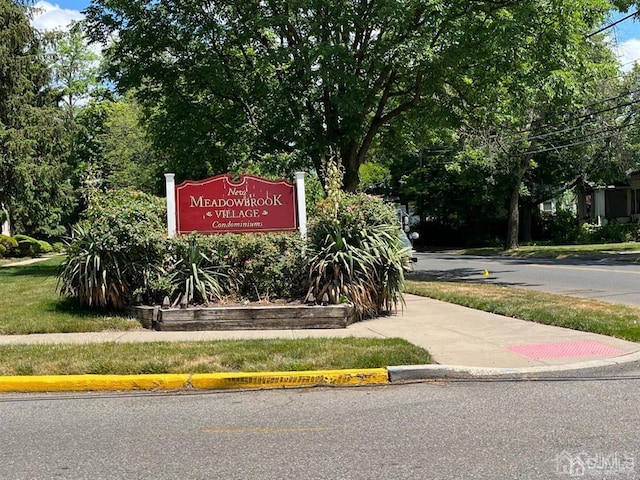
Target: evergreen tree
<point>32,135</point>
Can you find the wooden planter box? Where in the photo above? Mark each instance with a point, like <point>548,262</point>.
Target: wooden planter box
<point>268,317</point>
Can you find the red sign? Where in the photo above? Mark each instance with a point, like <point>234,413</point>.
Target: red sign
<point>220,205</point>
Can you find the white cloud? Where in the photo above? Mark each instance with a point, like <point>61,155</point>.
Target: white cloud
<point>628,53</point>
<point>51,17</point>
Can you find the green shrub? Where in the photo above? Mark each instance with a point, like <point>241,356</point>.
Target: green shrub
<point>258,266</point>
<point>8,245</point>
<point>357,254</point>
<point>610,233</point>
<point>560,227</point>
<point>58,247</point>
<point>45,247</point>
<point>269,265</point>
<point>116,250</point>
<point>27,246</point>
<point>119,253</point>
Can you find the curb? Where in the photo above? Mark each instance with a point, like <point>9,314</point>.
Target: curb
<point>78,383</point>
<point>204,381</point>
<point>264,380</point>
<point>445,372</point>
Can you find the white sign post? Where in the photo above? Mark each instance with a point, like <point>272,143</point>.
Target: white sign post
<point>170,180</point>
<point>302,204</point>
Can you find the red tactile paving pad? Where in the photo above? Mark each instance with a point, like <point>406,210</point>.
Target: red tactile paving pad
<point>587,348</point>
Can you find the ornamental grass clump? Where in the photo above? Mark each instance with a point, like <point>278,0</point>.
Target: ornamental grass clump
<point>195,277</point>
<point>357,254</point>
<point>115,250</point>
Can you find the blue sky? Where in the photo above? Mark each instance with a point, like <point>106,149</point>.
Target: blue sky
<point>73,4</point>
<point>625,36</point>
<point>626,39</point>
<point>52,15</point>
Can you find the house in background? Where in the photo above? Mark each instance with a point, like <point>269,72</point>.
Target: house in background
<point>618,203</point>
<point>549,206</point>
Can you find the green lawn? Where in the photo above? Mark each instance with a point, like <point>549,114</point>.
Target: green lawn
<point>207,357</point>
<point>631,251</point>
<point>616,320</point>
<point>29,303</point>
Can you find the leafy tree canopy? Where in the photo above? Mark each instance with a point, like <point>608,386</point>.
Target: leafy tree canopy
<point>228,79</point>
<point>74,69</point>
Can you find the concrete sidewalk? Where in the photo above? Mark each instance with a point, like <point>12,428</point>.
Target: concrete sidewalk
<point>457,337</point>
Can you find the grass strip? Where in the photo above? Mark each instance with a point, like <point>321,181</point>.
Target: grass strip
<point>621,321</point>
<point>209,357</point>
<point>628,251</point>
<point>29,303</point>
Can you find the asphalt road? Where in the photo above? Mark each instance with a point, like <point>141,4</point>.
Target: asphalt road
<point>611,281</point>
<point>461,430</point>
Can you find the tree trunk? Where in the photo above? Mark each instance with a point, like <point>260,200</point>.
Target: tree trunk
<point>351,164</point>
<point>526,219</point>
<point>514,218</point>
<point>513,224</point>
<point>351,179</point>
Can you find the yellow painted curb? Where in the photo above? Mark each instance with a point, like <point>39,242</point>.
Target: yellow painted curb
<point>205,381</point>
<point>74,383</point>
<point>212,381</point>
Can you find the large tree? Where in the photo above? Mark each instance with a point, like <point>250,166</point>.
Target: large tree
<point>303,76</point>
<point>129,158</point>
<point>32,136</point>
<point>74,69</point>
<point>554,125</point>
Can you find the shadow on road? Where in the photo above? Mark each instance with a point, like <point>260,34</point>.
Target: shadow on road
<point>591,260</point>
<point>464,275</point>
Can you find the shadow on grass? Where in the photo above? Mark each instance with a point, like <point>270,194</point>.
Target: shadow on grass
<point>71,306</point>
<point>35,270</point>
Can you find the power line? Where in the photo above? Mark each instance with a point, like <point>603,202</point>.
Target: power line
<point>574,141</point>
<point>560,130</point>
<point>629,62</point>
<point>587,138</point>
<point>566,120</point>
<point>611,25</point>
<point>571,129</point>
<point>590,115</point>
